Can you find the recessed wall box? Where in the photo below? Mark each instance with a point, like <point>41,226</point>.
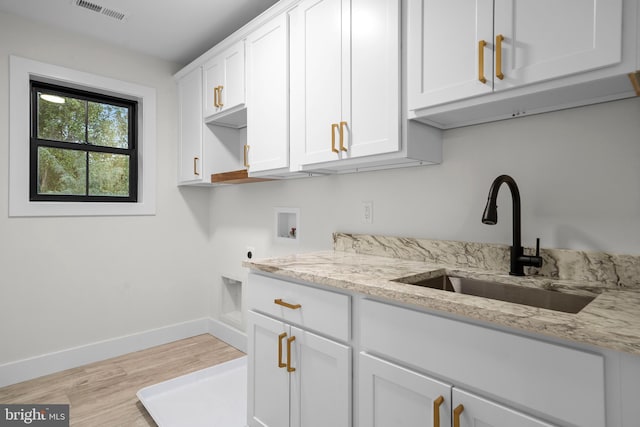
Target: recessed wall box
<point>287,224</point>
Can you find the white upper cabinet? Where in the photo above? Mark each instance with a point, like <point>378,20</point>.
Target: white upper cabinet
<point>546,39</point>
<point>460,49</point>
<point>345,86</point>
<point>224,86</point>
<point>444,54</point>
<point>191,166</point>
<point>268,97</point>
<point>471,62</point>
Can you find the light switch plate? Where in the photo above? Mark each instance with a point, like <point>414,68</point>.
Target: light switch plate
<point>367,212</point>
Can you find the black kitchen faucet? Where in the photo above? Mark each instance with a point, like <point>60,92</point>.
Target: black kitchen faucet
<point>490,216</point>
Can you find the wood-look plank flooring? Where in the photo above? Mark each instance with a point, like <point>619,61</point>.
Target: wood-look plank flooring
<point>103,394</point>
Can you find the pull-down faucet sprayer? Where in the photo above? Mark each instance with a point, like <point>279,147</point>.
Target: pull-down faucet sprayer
<point>490,216</point>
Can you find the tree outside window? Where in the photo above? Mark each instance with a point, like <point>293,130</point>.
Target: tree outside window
<point>83,146</point>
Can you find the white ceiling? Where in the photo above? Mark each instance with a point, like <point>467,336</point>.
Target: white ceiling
<point>174,30</point>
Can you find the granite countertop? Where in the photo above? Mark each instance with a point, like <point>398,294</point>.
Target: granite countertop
<point>611,320</point>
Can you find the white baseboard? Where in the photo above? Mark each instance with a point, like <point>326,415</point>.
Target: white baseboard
<point>228,334</point>
<point>26,369</point>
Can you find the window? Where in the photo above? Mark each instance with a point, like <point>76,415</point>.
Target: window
<point>83,146</point>
<point>79,188</point>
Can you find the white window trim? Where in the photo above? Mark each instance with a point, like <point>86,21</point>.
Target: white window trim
<point>21,71</point>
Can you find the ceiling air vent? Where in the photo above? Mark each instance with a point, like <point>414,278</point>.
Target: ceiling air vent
<point>100,9</point>
<point>88,5</point>
<point>113,14</point>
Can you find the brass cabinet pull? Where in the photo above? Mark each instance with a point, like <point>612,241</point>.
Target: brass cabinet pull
<point>334,126</point>
<point>481,45</point>
<point>289,341</point>
<point>216,97</point>
<point>456,415</point>
<point>195,166</point>
<point>246,156</point>
<point>635,81</point>
<point>436,411</point>
<point>286,304</point>
<point>220,104</point>
<point>342,125</point>
<point>280,363</point>
<point>499,39</point>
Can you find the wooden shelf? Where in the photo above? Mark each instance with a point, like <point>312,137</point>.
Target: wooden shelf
<point>235,177</point>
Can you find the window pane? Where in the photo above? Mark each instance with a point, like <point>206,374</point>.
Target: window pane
<point>108,125</point>
<point>108,174</point>
<point>61,118</point>
<point>61,171</point>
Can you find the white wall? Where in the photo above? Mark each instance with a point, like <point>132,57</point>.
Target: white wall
<point>68,282</point>
<point>578,172</point>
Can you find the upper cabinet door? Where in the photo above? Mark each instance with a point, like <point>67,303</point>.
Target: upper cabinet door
<point>345,85</point>
<point>213,77</point>
<point>545,39</point>
<point>317,78</point>
<point>191,166</point>
<point>373,121</point>
<point>268,96</point>
<point>224,81</point>
<point>232,92</point>
<point>445,58</point>
<point>459,49</point>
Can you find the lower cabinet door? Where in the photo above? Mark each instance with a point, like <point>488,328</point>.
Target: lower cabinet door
<point>393,396</point>
<point>472,410</point>
<point>321,382</point>
<point>268,399</point>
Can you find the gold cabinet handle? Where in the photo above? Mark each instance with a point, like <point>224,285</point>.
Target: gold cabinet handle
<point>246,156</point>
<point>342,125</point>
<point>216,97</point>
<point>635,81</point>
<point>481,45</point>
<point>286,304</point>
<point>499,39</point>
<point>195,166</point>
<point>220,104</point>
<point>436,411</point>
<point>289,341</point>
<point>334,126</point>
<point>456,415</point>
<point>280,363</point>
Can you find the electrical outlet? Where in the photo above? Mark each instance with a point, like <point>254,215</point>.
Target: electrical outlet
<point>367,213</point>
<point>250,252</point>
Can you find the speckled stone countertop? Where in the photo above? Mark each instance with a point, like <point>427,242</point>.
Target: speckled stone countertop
<point>369,265</point>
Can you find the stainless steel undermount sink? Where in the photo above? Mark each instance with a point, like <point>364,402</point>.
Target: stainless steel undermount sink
<point>534,297</point>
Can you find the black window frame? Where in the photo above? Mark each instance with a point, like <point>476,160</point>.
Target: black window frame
<point>35,143</point>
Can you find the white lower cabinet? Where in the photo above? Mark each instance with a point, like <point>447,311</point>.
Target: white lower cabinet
<point>299,374</point>
<point>471,410</point>
<point>557,383</point>
<point>394,396</point>
<point>296,378</point>
<point>413,367</point>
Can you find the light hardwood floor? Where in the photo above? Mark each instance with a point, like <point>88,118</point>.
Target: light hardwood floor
<point>104,393</point>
